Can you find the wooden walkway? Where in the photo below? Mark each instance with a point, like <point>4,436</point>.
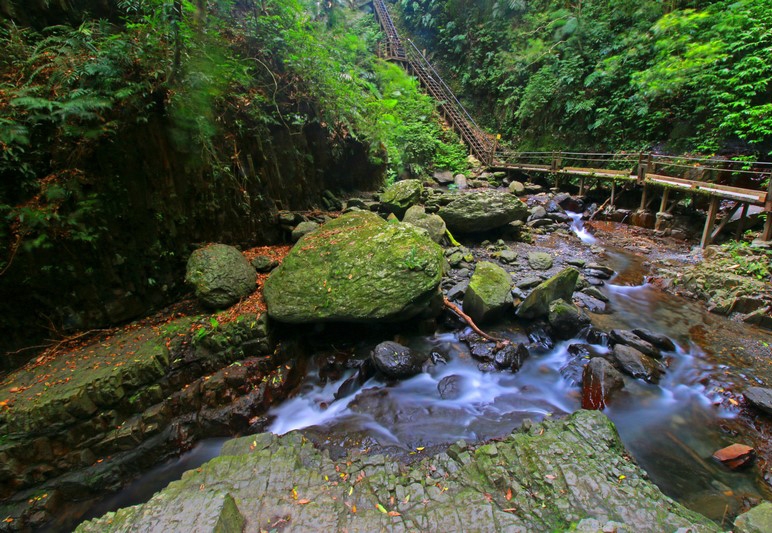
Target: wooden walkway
<point>716,178</point>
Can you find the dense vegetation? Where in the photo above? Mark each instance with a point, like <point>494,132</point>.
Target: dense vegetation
<point>172,119</point>
<point>677,75</point>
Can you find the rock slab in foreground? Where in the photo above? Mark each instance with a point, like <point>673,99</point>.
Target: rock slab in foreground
<point>482,211</point>
<point>757,520</point>
<point>220,275</point>
<point>556,475</point>
<point>356,268</point>
<point>760,398</point>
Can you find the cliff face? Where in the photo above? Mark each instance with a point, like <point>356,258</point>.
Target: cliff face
<point>101,206</point>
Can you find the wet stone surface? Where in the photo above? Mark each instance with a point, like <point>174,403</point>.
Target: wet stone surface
<point>549,477</point>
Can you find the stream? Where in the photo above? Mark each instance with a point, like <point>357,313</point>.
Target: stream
<point>671,429</point>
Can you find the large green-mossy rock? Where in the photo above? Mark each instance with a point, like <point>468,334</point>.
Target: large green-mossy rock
<point>482,211</point>
<point>489,293</point>
<point>558,287</point>
<point>431,223</point>
<point>356,268</point>
<point>400,196</point>
<point>551,477</point>
<point>220,275</point>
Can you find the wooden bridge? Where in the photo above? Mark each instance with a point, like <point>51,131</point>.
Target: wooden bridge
<point>737,182</point>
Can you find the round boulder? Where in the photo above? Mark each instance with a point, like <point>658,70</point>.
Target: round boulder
<point>356,268</point>
<point>396,361</point>
<point>220,275</point>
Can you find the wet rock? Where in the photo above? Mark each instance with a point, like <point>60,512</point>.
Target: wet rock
<point>528,283</point>
<point>220,275</point>
<point>457,291</point>
<point>508,256</point>
<point>482,211</point>
<point>600,380</point>
<point>593,273</point>
<point>757,520</point>
<point>449,387</point>
<point>560,286</point>
<point>603,269</point>
<point>760,398</point>
<point>396,361</point>
<point>444,177</point>
<point>264,263</point>
<point>516,188</point>
<point>356,268</point>
<point>579,356</point>
<point>432,224</point>
<point>591,304</point>
<point>540,340</point>
<point>400,196</point>
<point>540,260</point>
<point>735,456</point>
<point>657,339</point>
<point>566,319</point>
<point>638,364</point>
<point>596,293</point>
<point>622,336</point>
<point>264,472</point>
<point>511,357</point>
<point>304,228</point>
<point>489,292</point>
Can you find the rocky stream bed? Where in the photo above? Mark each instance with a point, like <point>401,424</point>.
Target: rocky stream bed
<point>386,421</point>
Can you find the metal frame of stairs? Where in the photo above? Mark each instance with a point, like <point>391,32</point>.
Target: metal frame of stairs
<point>481,145</point>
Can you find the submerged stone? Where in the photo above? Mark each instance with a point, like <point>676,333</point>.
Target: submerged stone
<point>396,361</point>
<point>637,364</point>
<point>600,380</point>
<point>356,268</point>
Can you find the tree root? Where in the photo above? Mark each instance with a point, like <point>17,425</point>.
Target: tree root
<point>500,343</point>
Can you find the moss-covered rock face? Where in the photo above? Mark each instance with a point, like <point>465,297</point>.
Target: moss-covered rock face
<point>433,224</point>
<point>400,196</point>
<point>356,268</point>
<point>560,286</point>
<point>489,293</point>
<point>566,319</point>
<point>549,477</point>
<point>482,211</point>
<point>220,274</point>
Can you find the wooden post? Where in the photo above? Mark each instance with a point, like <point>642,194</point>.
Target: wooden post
<point>581,186</point>
<point>665,198</point>
<point>767,234</point>
<point>644,194</point>
<point>741,223</point>
<point>613,192</point>
<point>641,169</point>
<point>710,221</point>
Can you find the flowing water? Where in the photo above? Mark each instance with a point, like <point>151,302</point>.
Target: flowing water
<point>671,429</point>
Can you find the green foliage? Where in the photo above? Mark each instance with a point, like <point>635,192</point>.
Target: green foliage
<point>748,261</point>
<point>685,75</point>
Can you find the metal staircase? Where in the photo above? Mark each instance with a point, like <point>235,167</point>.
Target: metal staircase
<point>481,145</point>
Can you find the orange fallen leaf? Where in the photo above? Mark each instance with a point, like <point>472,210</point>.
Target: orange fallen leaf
<point>394,513</point>
<point>304,501</point>
<point>509,493</point>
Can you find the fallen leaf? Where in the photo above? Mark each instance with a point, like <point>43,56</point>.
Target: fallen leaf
<point>381,508</point>
<point>510,510</point>
<point>550,477</point>
<point>509,493</point>
<point>393,513</point>
<point>304,501</point>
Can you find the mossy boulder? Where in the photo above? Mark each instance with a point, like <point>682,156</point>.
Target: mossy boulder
<point>566,319</point>
<point>489,293</point>
<point>540,260</point>
<point>356,268</point>
<point>559,286</point>
<point>482,211</point>
<point>431,223</point>
<point>400,196</point>
<point>220,275</point>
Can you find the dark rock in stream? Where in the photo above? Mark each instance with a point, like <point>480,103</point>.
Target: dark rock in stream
<point>600,380</point>
<point>464,487</point>
<point>660,341</point>
<point>560,286</point>
<point>621,336</point>
<point>396,361</point>
<point>449,387</point>
<point>590,303</point>
<point>637,364</point>
<point>760,398</point>
<point>511,357</point>
<point>566,319</point>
